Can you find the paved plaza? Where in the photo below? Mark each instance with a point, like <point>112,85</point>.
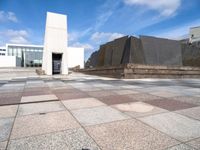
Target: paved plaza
<point>84,112</point>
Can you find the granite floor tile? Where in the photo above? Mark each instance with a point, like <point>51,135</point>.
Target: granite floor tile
<point>174,125</point>
<point>37,108</point>
<point>34,93</point>
<point>10,100</point>
<point>143,97</point>
<point>181,147</point>
<point>138,109</point>
<point>8,111</point>
<point>125,92</point>
<point>57,91</point>
<point>195,143</point>
<point>98,115</point>
<point>44,123</point>
<point>26,99</point>
<point>3,145</point>
<point>69,96</point>
<point>165,94</point>
<point>188,99</point>
<point>101,93</point>
<point>5,128</point>
<point>82,103</point>
<point>115,99</point>
<point>191,112</point>
<point>170,105</point>
<point>74,139</point>
<point>129,135</point>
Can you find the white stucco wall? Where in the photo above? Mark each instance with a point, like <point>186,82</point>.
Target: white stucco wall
<point>75,57</point>
<point>8,61</point>
<point>55,41</point>
<point>196,34</point>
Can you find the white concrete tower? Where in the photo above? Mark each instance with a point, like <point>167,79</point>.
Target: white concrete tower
<point>55,44</point>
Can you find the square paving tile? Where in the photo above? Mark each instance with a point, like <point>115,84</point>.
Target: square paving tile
<point>191,112</point>
<point>143,97</point>
<point>170,105</point>
<point>26,99</point>
<point>57,91</point>
<point>174,125</point>
<point>33,93</point>
<point>125,92</point>
<point>129,135</point>
<point>45,123</point>
<point>82,103</point>
<point>181,147</point>
<point>36,108</point>
<point>115,99</point>
<point>69,96</point>
<point>188,99</point>
<point>5,128</point>
<point>98,115</point>
<point>138,109</point>
<point>8,111</point>
<point>3,145</point>
<point>73,139</point>
<point>101,93</point>
<point>195,143</point>
<point>165,94</point>
<point>10,100</point>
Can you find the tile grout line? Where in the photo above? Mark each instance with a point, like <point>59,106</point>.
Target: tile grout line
<point>14,122</point>
<point>82,126</point>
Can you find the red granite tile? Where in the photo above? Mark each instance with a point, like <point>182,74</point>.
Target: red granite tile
<point>10,100</point>
<point>57,91</point>
<point>171,105</point>
<point>115,99</point>
<point>143,97</point>
<point>33,93</point>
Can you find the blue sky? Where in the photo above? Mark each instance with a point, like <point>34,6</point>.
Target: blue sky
<point>94,22</point>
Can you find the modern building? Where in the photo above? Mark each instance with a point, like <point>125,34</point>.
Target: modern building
<point>195,34</point>
<point>54,57</point>
<point>2,51</point>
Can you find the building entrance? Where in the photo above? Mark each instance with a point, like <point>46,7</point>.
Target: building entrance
<point>56,63</point>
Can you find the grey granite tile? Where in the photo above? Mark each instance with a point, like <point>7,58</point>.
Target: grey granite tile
<point>5,128</point>
<point>3,145</point>
<point>181,147</point>
<point>191,112</point>
<point>26,99</point>
<point>195,143</point>
<point>98,115</point>
<point>8,111</point>
<point>129,135</point>
<point>138,109</point>
<point>44,123</point>
<point>36,108</point>
<point>73,139</point>
<point>82,103</point>
<point>174,125</point>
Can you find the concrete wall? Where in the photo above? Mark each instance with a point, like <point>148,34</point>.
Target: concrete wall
<point>8,61</point>
<point>55,41</point>
<point>195,34</point>
<point>75,57</point>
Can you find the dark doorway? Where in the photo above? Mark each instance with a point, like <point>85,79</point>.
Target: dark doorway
<point>56,63</point>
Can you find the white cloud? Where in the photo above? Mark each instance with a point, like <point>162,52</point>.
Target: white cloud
<point>8,16</point>
<point>86,46</point>
<point>165,7</point>
<point>15,36</point>
<point>100,37</point>
<point>178,32</point>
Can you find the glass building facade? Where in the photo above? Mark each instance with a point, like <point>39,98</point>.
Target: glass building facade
<point>30,55</point>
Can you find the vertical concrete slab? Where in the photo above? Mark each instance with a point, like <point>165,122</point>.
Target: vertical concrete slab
<point>55,41</point>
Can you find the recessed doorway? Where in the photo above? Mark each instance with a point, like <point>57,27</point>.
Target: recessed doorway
<point>56,63</point>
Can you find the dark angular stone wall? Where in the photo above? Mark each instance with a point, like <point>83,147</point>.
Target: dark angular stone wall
<point>118,50</point>
<point>108,54</point>
<point>191,55</point>
<point>158,51</point>
<point>145,50</point>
